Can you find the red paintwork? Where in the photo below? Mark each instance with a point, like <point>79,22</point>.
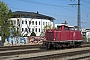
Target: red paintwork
<point>63,35</point>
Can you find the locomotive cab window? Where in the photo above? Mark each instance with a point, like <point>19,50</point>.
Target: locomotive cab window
<point>59,27</point>
<point>66,28</point>
<point>71,28</point>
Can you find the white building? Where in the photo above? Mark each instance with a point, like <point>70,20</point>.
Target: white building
<point>27,22</point>
<point>86,32</point>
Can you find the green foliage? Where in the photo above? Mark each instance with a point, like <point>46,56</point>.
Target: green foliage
<point>33,34</point>
<point>16,33</point>
<point>5,15</point>
<point>42,34</point>
<point>47,27</point>
<point>83,37</point>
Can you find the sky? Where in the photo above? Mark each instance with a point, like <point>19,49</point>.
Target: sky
<point>61,10</point>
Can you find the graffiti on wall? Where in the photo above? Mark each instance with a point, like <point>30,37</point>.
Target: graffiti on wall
<point>35,39</point>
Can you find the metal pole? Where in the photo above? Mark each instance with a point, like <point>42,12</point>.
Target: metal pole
<point>78,15</point>
<point>78,18</point>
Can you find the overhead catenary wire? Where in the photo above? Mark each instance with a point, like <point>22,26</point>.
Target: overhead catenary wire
<point>53,5</point>
<point>44,12</point>
<point>85,1</point>
<point>31,1</point>
<point>35,2</point>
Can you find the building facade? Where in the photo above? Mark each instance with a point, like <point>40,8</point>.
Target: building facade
<point>86,34</point>
<point>28,22</point>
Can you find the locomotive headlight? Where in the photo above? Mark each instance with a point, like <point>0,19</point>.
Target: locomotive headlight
<point>54,39</point>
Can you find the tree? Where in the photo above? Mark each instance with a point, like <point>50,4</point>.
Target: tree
<point>33,34</point>
<point>5,15</point>
<point>47,27</point>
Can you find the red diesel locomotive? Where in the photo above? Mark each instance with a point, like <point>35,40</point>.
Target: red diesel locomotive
<point>63,36</point>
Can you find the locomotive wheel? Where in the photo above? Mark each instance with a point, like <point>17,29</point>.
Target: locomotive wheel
<point>56,46</point>
<point>48,46</point>
<point>79,45</point>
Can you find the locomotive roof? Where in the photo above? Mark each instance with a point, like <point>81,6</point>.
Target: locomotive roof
<point>64,25</point>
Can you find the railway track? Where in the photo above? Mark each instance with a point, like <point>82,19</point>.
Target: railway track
<point>51,55</point>
<point>26,50</point>
<point>5,48</point>
<point>16,54</point>
<point>60,56</point>
<point>21,52</point>
<point>80,58</point>
<point>10,51</point>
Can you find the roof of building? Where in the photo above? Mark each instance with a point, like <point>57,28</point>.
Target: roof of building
<point>31,15</point>
<point>85,29</point>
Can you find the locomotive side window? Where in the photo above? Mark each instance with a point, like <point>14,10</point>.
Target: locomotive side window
<point>71,28</point>
<point>66,28</point>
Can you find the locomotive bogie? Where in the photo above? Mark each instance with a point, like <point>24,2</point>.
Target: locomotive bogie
<point>66,44</point>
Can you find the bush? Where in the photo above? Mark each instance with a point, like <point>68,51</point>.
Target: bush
<point>33,34</point>
<point>83,37</point>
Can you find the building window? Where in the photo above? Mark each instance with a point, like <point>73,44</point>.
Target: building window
<point>26,22</point>
<point>26,29</point>
<point>32,22</point>
<point>36,22</point>
<point>32,29</point>
<point>14,22</point>
<point>29,29</point>
<point>39,22</point>
<point>18,21</point>
<point>84,33</point>
<point>22,29</point>
<point>17,29</point>
<point>39,29</point>
<point>36,29</point>
<point>29,22</point>
<point>22,22</point>
<point>43,23</point>
<point>46,23</point>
